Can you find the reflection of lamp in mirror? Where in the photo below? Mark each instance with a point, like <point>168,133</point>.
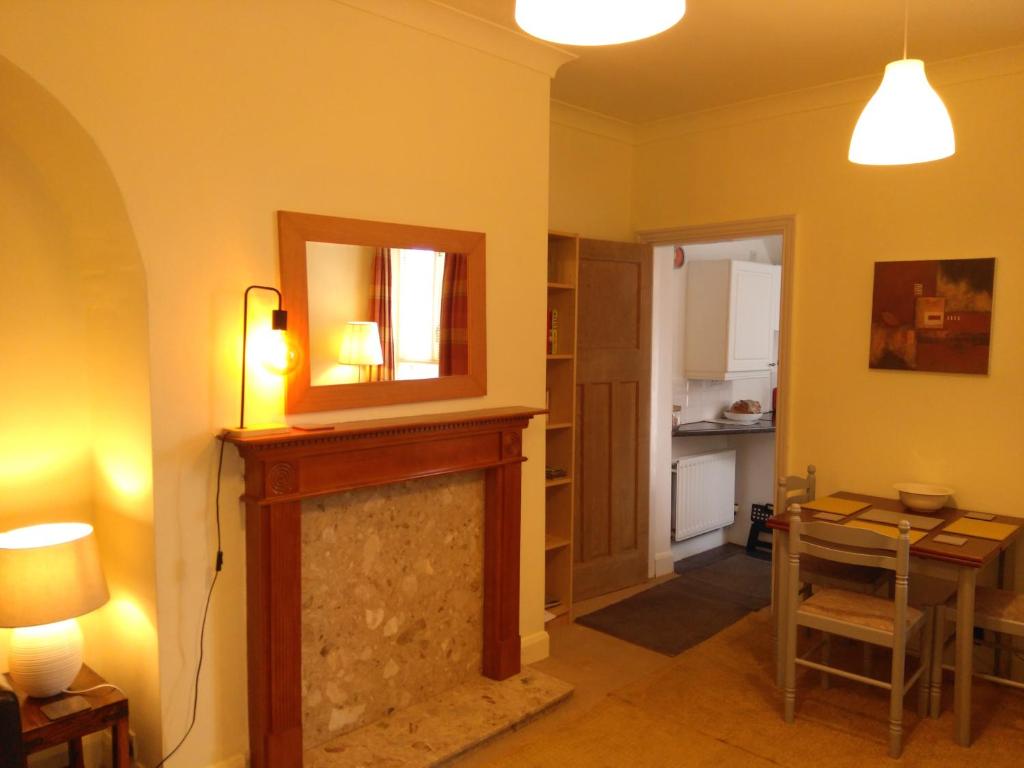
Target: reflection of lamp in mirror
<point>49,575</point>
<point>360,345</point>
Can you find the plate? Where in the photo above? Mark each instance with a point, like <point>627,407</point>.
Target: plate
<point>743,418</point>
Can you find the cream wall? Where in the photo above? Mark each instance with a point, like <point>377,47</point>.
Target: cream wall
<point>46,436</point>
<point>214,116</point>
<point>868,429</point>
<point>591,174</point>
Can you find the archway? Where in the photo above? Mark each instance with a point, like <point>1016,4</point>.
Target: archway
<point>75,439</point>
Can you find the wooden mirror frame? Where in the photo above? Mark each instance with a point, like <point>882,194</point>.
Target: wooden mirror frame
<point>296,229</point>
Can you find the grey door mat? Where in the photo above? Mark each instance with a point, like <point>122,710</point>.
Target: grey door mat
<point>713,590</point>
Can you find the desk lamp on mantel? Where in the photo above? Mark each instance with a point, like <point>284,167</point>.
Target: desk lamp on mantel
<point>49,576</point>
<point>279,355</point>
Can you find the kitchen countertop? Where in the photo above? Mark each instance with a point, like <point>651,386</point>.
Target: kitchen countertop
<point>698,428</point>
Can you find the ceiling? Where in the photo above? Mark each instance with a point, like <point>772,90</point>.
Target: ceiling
<point>725,51</point>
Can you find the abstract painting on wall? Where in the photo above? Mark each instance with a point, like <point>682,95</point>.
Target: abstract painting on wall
<point>932,315</point>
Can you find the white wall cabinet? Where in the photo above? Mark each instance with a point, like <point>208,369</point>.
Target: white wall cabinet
<point>731,315</point>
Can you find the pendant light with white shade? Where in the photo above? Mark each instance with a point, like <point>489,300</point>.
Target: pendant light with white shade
<point>597,22</point>
<point>905,121</point>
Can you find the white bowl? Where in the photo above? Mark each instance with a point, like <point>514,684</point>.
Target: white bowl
<point>922,496</point>
<point>743,418</point>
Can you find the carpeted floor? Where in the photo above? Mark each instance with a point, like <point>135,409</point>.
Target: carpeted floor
<point>713,590</point>
<point>716,705</point>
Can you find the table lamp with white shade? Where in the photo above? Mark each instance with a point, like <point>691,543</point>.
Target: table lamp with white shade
<point>49,575</point>
<point>360,345</point>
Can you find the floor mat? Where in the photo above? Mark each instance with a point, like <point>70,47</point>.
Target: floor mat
<point>715,590</point>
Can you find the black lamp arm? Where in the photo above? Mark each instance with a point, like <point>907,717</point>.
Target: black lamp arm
<point>279,322</point>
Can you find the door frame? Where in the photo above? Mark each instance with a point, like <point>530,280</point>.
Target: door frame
<point>785,226</point>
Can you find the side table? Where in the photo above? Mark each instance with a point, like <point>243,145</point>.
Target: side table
<point>109,710</point>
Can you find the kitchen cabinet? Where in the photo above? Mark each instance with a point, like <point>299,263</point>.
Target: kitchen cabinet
<point>731,317</point>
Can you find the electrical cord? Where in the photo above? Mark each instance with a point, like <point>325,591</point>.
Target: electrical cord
<point>96,688</point>
<point>218,565</point>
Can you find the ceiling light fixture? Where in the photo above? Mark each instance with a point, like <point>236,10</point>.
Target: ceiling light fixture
<point>905,121</point>
<point>597,22</point>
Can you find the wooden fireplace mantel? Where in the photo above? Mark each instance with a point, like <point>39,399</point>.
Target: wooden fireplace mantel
<point>283,469</point>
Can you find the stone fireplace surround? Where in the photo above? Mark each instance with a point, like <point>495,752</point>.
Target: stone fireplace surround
<point>392,599</point>
<point>283,469</point>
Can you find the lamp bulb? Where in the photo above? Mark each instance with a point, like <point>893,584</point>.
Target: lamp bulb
<point>279,353</point>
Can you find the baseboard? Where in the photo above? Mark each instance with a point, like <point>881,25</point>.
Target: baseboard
<point>698,544</point>
<point>235,761</point>
<point>535,647</point>
<point>663,563</point>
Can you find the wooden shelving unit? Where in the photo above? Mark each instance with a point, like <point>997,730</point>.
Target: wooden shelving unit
<point>563,268</point>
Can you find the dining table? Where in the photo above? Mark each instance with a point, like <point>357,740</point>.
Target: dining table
<point>959,563</point>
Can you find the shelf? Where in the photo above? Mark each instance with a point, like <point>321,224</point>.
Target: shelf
<point>552,542</point>
<point>560,429</point>
<point>559,425</point>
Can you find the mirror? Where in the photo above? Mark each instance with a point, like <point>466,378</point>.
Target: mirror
<point>384,313</point>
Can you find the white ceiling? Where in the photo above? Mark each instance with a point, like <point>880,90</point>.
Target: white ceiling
<point>725,51</point>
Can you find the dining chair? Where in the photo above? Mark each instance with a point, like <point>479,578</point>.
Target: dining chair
<point>815,572</point>
<point>868,618</point>
<point>996,610</point>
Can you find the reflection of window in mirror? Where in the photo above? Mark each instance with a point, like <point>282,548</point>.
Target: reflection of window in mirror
<point>417,279</point>
<point>417,298</point>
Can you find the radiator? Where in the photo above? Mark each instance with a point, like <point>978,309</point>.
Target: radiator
<point>703,493</point>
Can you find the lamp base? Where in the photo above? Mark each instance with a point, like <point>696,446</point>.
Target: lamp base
<point>256,430</point>
<point>45,660</point>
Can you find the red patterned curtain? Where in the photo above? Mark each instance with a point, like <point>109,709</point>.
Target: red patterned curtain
<point>380,313</point>
<point>454,350</point>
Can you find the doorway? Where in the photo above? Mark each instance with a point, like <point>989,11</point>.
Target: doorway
<point>760,457</point>
<point>705,586</point>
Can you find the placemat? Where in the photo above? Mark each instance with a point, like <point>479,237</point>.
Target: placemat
<point>981,529</point>
<point>888,516</point>
<point>836,505</point>
<point>888,530</point>
<point>828,517</point>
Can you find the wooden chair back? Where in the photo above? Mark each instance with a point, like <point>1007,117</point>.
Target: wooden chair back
<point>855,546</point>
<point>795,489</point>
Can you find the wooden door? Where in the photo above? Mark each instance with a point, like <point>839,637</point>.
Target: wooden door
<point>613,380</point>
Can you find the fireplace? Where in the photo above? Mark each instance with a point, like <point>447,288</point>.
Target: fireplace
<point>392,599</point>
<point>284,471</point>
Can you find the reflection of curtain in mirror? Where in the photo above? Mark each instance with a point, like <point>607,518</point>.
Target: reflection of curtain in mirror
<point>380,313</point>
<point>454,349</point>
